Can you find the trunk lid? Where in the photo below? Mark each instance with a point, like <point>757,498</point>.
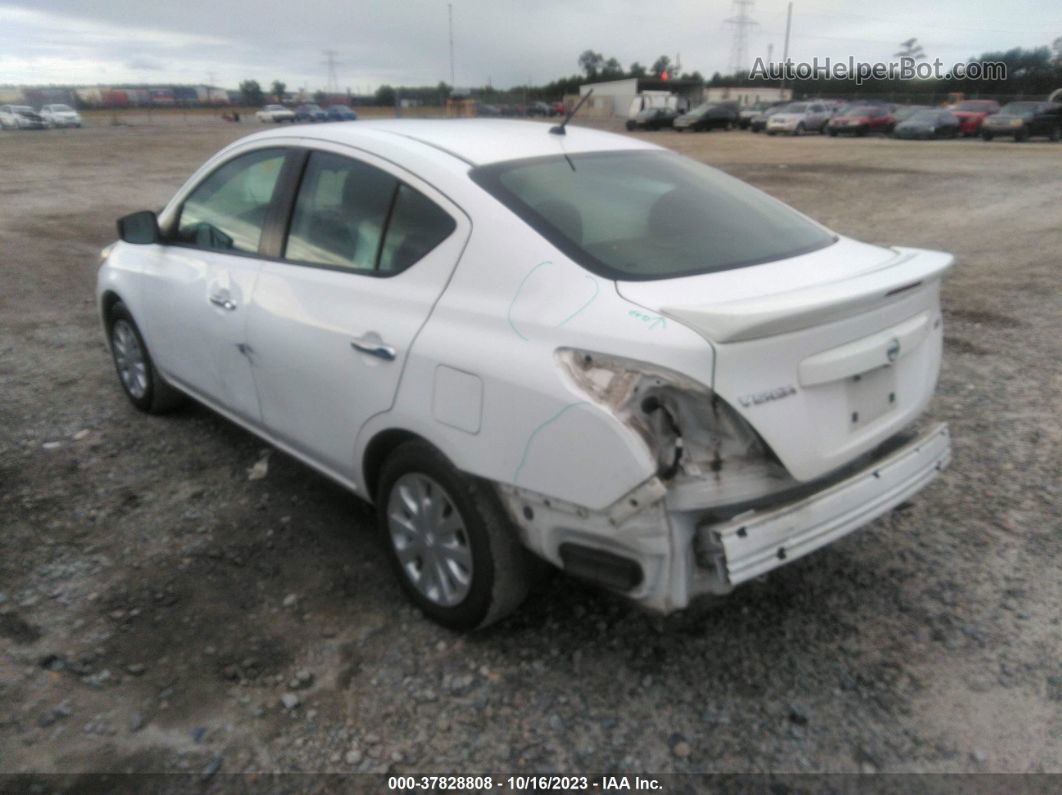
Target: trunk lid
<point>826,354</point>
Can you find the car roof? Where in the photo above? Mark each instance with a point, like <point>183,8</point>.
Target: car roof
<point>474,141</point>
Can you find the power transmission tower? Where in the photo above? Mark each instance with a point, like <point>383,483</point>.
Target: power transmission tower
<point>742,22</point>
<point>332,86</point>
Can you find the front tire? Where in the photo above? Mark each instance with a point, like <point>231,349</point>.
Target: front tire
<point>451,544</point>
<point>146,389</point>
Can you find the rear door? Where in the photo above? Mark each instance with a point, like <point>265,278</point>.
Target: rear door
<point>196,293</point>
<point>368,251</point>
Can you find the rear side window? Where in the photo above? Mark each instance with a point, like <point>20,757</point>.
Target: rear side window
<point>649,215</point>
<point>353,216</point>
<point>417,226</point>
<point>228,209</point>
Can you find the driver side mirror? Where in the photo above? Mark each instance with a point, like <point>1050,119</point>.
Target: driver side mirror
<point>140,228</point>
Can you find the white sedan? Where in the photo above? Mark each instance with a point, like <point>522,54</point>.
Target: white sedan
<point>275,113</point>
<point>20,117</point>
<point>579,346</point>
<point>60,116</point>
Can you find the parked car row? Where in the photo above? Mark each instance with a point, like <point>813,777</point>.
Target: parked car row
<point>542,109</point>
<point>308,112</point>
<point>23,117</point>
<point>709,116</point>
<point>1019,120</point>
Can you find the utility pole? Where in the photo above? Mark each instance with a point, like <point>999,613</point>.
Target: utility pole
<point>450,10</point>
<point>332,86</point>
<point>785,50</point>
<point>742,22</point>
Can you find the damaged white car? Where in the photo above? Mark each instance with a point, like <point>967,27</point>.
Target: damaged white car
<point>580,345</point>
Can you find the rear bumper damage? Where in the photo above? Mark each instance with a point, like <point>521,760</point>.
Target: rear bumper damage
<point>662,555</point>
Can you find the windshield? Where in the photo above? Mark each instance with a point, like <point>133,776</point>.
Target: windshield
<point>927,116</point>
<point>22,109</point>
<point>61,108</point>
<point>976,106</point>
<point>649,215</point>
<point>797,107</point>
<point>1019,108</point>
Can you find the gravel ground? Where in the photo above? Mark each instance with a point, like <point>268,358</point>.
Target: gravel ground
<point>160,611</point>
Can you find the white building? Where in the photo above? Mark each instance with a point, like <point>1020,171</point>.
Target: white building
<point>617,98</point>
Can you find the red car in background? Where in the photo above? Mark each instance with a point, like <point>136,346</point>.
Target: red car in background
<point>861,119</point>
<point>971,112</point>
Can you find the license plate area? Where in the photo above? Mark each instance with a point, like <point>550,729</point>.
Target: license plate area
<point>871,395</point>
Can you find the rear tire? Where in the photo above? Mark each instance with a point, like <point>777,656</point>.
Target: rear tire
<point>450,542</point>
<point>141,381</point>
<point>986,136</point>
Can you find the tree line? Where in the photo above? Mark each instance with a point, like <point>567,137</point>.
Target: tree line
<point>1030,72</point>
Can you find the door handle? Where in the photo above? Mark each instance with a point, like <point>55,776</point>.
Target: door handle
<point>223,301</point>
<point>374,348</point>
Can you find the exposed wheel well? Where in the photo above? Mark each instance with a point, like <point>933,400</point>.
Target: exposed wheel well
<point>107,304</point>
<point>381,446</point>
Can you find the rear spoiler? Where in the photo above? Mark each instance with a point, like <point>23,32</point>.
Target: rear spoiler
<point>753,318</point>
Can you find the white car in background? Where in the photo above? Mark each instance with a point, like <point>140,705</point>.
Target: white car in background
<point>20,117</point>
<point>798,118</point>
<point>60,116</point>
<point>275,113</point>
<point>632,365</point>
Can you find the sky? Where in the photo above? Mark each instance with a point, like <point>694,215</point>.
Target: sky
<point>505,42</point>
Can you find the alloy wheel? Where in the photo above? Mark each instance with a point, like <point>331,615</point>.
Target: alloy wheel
<point>430,539</point>
<point>130,359</point>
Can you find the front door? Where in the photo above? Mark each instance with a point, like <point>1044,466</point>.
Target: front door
<point>368,252</point>
<point>197,290</point>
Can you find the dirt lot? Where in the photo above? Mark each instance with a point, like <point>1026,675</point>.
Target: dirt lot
<point>155,603</point>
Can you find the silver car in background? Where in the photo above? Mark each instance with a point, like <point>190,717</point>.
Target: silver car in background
<point>798,118</point>
<point>20,117</point>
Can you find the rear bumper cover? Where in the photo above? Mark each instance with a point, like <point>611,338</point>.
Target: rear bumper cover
<point>681,553</point>
<point>759,541</point>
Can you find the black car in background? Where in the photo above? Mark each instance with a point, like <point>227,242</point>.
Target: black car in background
<point>310,112</point>
<point>653,119</point>
<point>710,116</point>
<point>932,123</point>
<point>904,112</point>
<point>747,114</point>
<point>1022,120</point>
<point>758,122</point>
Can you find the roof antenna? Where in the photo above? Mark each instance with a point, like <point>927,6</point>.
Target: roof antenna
<point>559,129</point>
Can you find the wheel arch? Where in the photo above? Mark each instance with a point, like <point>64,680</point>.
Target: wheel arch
<point>108,300</point>
<point>382,444</point>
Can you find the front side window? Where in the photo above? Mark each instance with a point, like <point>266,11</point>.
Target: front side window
<point>354,216</point>
<point>649,215</point>
<point>227,211</point>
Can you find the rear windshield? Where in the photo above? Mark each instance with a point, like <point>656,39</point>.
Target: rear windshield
<point>649,215</point>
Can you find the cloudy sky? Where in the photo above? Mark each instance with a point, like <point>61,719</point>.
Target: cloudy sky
<point>509,42</point>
